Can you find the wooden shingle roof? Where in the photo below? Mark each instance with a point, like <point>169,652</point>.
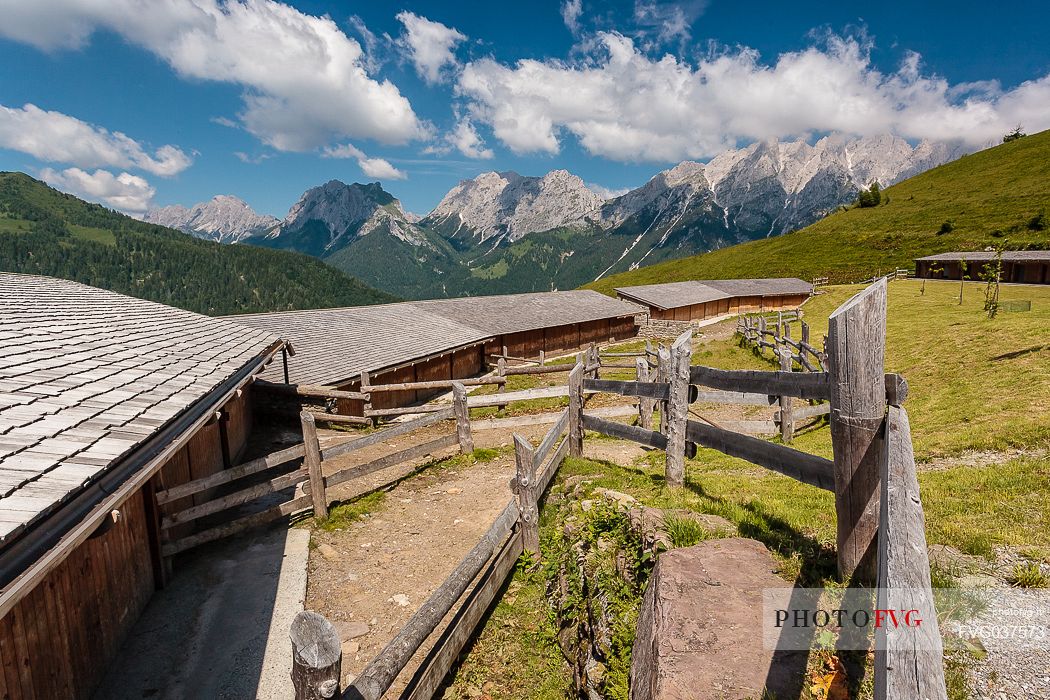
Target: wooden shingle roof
<point>1013,256</point>
<point>675,294</point>
<point>333,346</point>
<point>88,375</point>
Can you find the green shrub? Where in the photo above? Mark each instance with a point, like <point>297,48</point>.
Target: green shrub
<point>1028,575</point>
<point>683,531</point>
<point>1038,222</point>
<point>947,227</point>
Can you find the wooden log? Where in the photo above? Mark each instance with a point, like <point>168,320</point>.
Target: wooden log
<point>337,418</point>
<point>807,468</point>
<point>406,410</point>
<point>429,677</point>
<point>317,656</point>
<point>856,351</point>
<point>312,462</point>
<point>649,438</point>
<point>546,473</point>
<point>392,459</point>
<point>549,369</point>
<point>376,678</point>
<point>551,437</point>
<point>909,662</point>
<point>734,397</point>
<point>524,478</point>
<point>388,433</point>
<point>804,412</point>
<point>459,403</point>
<point>501,371</point>
<point>233,527</point>
<point>547,418</point>
<point>365,383</point>
<point>310,390</point>
<point>436,384</point>
<point>547,392</point>
<point>645,406</point>
<point>236,498</point>
<point>576,410</point>
<point>678,409</point>
<point>274,459</point>
<point>787,421</point>
<point>659,392</point>
<point>801,385</point>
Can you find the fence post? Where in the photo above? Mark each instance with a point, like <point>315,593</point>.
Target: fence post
<point>365,384</point>
<point>663,376</point>
<point>501,369</point>
<point>856,347</point>
<point>313,464</point>
<point>316,657</point>
<point>595,359</point>
<point>787,421</point>
<point>645,406</point>
<point>576,410</point>
<point>678,409</point>
<point>525,490</point>
<point>543,359</point>
<point>459,400</point>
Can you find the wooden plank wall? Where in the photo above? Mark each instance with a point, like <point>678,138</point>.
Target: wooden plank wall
<point>57,642</point>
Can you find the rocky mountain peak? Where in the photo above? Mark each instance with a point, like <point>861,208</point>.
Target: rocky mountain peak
<point>224,218</point>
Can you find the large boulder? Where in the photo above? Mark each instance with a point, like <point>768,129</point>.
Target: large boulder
<point>699,631</point>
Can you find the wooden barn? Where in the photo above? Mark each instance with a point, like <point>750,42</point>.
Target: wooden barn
<point>1021,266</point>
<point>436,339</point>
<point>104,399</point>
<point>696,300</point>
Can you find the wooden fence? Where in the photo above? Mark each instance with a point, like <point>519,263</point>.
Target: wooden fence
<point>880,526</point>
<point>756,329</point>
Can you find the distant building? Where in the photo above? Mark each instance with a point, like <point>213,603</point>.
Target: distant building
<point>696,300</point>
<point>437,339</point>
<point>1026,266</point>
<point>104,399</point>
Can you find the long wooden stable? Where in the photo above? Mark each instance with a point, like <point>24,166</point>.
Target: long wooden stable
<point>124,398</point>
<point>698,300</point>
<point>1018,266</point>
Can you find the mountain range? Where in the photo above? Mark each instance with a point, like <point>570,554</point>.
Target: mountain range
<point>504,232</point>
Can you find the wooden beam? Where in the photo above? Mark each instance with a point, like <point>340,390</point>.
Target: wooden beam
<point>388,433</point>
<point>802,385</point>
<point>312,462</point>
<point>678,409</point>
<point>337,418</point>
<point>459,398</point>
<point>274,459</point>
<point>310,390</point>
<point>435,384</point>
<point>236,498</point>
<point>856,351</point>
<point>909,662</point>
<point>376,678</point>
<point>807,468</point>
<point>551,437</point>
<point>645,406</point>
<point>576,410</point>
<point>392,459</point>
<point>528,508</point>
<point>650,438</point>
<point>734,397</point>
<point>787,420</point>
<point>240,525</point>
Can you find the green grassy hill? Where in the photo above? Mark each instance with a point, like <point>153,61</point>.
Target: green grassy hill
<point>46,232</point>
<point>990,196</point>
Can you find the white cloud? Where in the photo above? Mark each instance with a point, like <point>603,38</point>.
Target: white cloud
<point>59,138</point>
<point>570,14</point>
<point>429,45</point>
<point>607,192</point>
<point>250,159</point>
<point>305,81</point>
<point>465,139</point>
<point>621,104</point>
<point>378,168</point>
<point>126,192</point>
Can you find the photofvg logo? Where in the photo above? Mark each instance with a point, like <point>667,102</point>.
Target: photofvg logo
<point>866,618</point>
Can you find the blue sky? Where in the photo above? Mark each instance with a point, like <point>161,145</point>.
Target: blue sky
<point>181,100</point>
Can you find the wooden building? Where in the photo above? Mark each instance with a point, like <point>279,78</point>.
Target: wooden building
<point>436,339</point>
<point>1021,266</point>
<point>696,300</point>
<point>104,399</point>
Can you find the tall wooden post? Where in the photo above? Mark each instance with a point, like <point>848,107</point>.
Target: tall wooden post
<point>678,409</point>
<point>525,490</point>
<point>645,406</point>
<point>576,410</point>
<point>459,401</point>
<point>316,657</point>
<point>856,348</point>
<point>365,385</point>
<point>543,358</point>
<point>312,461</point>
<point>595,360</point>
<point>787,420</point>
<point>663,376</point>
<point>501,370</point>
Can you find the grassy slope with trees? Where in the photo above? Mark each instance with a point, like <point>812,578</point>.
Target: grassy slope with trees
<point>988,197</point>
<point>46,232</point>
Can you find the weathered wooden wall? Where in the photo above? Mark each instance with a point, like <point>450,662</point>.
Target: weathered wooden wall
<point>711,309</point>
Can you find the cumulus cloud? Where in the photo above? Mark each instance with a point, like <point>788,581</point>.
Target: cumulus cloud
<point>607,192</point>
<point>463,138</point>
<point>126,192</point>
<point>429,45</point>
<point>570,14</point>
<point>622,104</point>
<point>305,82</point>
<point>372,167</point>
<point>59,138</point>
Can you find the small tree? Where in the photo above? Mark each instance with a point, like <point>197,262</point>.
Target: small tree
<point>991,273</point>
<point>870,197</point>
<point>1014,135</point>
<point>935,269</point>
<point>963,276</point>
